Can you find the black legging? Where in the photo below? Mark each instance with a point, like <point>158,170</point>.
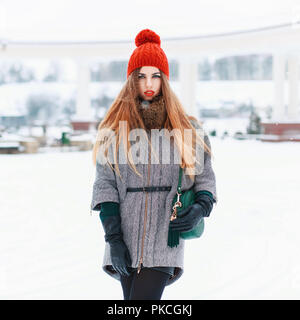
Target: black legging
<point>149,284</point>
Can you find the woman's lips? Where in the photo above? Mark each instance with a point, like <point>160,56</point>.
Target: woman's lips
<point>149,93</point>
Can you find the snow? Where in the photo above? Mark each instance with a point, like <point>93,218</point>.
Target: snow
<point>83,137</point>
<point>52,248</point>
<point>52,131</point>
<point>9,144</point>
<point>10,137</point>
<point>231,125</point>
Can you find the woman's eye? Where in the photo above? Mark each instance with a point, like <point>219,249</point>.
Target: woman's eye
<point>155,76</point>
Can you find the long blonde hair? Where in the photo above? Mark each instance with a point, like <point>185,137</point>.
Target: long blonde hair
<point>124,108</point>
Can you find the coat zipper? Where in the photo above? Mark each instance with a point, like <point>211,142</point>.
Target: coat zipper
<point>145,219</point>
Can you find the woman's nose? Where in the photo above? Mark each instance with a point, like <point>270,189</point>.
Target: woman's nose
<point>149,83</point>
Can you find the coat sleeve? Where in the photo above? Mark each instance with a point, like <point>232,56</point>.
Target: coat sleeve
<point>105,186</point>
<point>206,180</point>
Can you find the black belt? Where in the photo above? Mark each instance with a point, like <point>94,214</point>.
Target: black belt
<point>149,189</point>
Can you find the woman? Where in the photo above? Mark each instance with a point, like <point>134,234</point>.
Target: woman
<point>135,195</point>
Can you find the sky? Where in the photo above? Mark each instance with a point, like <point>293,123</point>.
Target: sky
<point>121,20</point>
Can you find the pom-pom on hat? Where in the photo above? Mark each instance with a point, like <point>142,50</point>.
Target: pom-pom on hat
<point>148,53</point>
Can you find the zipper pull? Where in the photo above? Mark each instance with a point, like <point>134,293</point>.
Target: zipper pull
<point>177,204</point>
<point>174,214</point>
<point>139,267</point>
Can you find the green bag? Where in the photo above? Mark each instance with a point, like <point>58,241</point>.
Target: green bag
<point>181,201</point>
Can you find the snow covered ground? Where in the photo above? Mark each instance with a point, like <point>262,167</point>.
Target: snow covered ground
<point>51,248</point>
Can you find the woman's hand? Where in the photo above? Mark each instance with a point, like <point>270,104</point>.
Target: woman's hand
<point>191,215</point>
<point>120,257</point>
<point>188,219</point>
<point>111,221</point>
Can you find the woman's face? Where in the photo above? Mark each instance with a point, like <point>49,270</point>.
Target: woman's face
<point>149,82</point>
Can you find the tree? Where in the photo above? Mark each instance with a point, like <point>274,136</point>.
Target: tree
<point>173,69</point>
<point>117,70</point>
<point>221,69</point>
<point>254,126</point>
<point>53,73</point>
<point>267,66</point>
<point>205,70</point>
<point>69,108</point>
<point>42,107</point>
<point>15,71</point>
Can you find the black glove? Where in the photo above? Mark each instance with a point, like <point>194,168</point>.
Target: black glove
<point>120,256</point>
<point>190,216</point>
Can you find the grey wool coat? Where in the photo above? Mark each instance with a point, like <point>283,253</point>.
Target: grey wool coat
<point>145,216</point>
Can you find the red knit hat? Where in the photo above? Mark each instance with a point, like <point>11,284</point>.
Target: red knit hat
<point>148,53</point>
